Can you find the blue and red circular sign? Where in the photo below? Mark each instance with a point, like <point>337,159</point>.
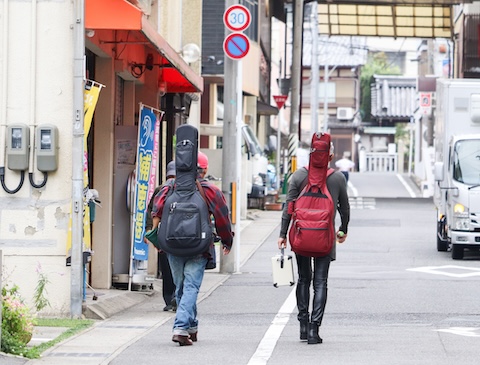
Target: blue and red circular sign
<point>237,18</point>
<point>236,45</point>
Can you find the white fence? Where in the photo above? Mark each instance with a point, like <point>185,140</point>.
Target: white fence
<point>378,162</point>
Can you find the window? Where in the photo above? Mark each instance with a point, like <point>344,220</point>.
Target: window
<point>466,162</point>
<point>252,31</point>
<point>331,91</point>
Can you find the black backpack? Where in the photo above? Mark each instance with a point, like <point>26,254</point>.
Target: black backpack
<point>186,228</point>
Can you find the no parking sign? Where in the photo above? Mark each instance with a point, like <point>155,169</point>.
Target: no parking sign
<point>236,46</point>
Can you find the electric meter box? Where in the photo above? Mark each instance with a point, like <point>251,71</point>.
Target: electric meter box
<point>46,147</point>
<point>18,140</point>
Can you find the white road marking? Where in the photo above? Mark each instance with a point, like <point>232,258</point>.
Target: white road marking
<point>353,188</point>
<point>462,331</point>
<point>443,270</point>
<point>409,189</point>
<point>269,340</point>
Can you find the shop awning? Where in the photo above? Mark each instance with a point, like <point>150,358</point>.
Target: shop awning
<point>266,109</point>
<point>387,18</point>
<point>122,15</point>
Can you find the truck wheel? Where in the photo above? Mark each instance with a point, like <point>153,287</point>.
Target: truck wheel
<point>442,241</point>
<point>457,252</point>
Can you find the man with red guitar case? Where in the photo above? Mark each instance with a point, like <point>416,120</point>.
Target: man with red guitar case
<point>314,195</point>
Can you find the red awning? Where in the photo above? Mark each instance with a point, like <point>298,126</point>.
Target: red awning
<point>122,15</point>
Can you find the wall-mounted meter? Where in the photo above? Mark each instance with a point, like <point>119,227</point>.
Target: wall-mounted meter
<point>46,147</point>
<point>18,140</point>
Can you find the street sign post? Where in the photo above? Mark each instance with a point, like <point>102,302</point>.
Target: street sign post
<point>280,100</point>
<point>236,46</point>
<point>237,18</point>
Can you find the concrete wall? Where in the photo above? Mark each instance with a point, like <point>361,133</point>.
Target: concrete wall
<point>36,87</point>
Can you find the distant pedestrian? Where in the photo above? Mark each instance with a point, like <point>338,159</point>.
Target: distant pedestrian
<point>345,165</point>
<point>163,267</point>
<point>310,321</point>
<point>188,271</point>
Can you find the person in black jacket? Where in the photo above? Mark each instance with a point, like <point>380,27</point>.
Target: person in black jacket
<point>309,324</point>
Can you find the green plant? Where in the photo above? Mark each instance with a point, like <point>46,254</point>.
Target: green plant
<point>377,64</point>
<point>40,290</point>
<point>17,322</point>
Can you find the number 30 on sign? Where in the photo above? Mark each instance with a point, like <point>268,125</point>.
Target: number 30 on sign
<point>237,18</point>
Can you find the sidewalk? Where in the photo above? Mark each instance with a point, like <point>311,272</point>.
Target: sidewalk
<point>130,315</point>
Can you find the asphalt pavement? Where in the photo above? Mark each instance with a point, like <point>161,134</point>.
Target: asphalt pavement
<point>124,317</point>
<point>129,315</point>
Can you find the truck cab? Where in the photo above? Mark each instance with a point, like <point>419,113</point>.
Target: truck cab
<point>457,165</point>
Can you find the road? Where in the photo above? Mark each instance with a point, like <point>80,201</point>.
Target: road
<point>393,299</point>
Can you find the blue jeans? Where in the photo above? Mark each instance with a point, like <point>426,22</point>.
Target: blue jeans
<point>187,275</point>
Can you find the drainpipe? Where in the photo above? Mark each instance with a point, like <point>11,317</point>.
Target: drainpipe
<point>3,121</point>
<point>76,295</point>
<point>33,93</point>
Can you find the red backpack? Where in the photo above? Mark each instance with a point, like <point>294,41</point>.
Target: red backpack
<point>312,232</point>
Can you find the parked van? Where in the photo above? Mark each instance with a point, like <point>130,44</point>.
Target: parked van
<point>254,160</point>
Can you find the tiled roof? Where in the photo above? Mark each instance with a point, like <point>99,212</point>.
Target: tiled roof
<point>394,96</point>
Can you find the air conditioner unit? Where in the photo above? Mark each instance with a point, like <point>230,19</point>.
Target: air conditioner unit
<point>344,113</point>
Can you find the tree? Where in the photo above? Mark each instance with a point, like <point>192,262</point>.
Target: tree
<point>377,64</point>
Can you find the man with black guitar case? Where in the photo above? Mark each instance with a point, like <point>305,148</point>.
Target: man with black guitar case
<point>183,209</point>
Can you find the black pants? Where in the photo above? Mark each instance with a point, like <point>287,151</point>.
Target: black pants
<point>168,287</point>
<point>320,277</point>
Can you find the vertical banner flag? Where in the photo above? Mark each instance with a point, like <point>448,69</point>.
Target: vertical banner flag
<point>153,170</point>
<point>91,94</point>
<point>148,128</point>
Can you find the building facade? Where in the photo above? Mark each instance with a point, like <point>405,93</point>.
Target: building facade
<point>134,51</point>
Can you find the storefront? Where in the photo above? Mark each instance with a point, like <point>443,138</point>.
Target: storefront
<point>137,65</point>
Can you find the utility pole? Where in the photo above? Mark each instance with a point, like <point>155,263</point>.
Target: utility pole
<point>76,295</point>
<point>231,148</point>
<point>295,91</point>
<point>314,68</point>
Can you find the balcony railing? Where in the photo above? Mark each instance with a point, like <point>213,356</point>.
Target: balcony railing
<point>378,162</point>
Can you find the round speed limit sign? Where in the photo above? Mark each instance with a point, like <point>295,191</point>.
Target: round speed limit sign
<point>237,18</point>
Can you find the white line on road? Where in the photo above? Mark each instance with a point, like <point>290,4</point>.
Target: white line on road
<point>455,271</point>
<point>409,189</point>
<point>353,188</point>
<point>269,340</point>
<point>462,331</point>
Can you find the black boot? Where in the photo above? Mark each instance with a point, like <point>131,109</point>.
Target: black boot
<point>313,336</point>
<point>303,330</point>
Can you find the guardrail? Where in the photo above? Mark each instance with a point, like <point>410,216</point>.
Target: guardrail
<point>378,162</point>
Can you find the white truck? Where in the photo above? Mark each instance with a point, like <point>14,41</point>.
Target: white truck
<point>457,165</point>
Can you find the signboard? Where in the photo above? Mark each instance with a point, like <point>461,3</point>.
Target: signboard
<point>147,128</point>
<point>425,100</point>
<point>236,46</point>
<point>426,103</point>
<point>280,100</point>
<point>237,18</point>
